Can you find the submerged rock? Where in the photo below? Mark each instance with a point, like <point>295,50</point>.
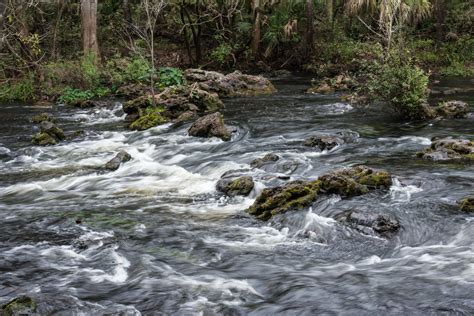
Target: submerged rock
<point>230,85</point>
<point>384,225</point>
<point>43,117</point>
<point>448,149</point>
<point>211,125</point>
<point>467,204</point>
<point>235,186</point>
<point>22,305</point>
<point>268,158</point>
<point>170,105</point>
<point>323,142</point>
<point>299,194</point>
<point>453,109</point>
<point>49,134</point>
<point>277,200</point>
<point>115,162</point>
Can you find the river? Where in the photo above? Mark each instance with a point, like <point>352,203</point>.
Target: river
<point>154,236</point>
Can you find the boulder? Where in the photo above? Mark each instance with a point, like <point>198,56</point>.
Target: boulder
<point>323,142</point>
<point>453,109</point>
<point>383,225</point>
<point>133,90</point>
<point>170,105</point>
<point>211,125</point>
<point>278,200</point>
<point>322,88</point>
<point>235,186</point>
<point>115,162</point>
<point>51,129</point>
<point>448,149</point>
<point>354,181</point>
<point>230,85</point>
<point>300,194</point>
<point>467,204</point>
<point>22,305</point>
<point>49,134</point>
<point>268,158</point>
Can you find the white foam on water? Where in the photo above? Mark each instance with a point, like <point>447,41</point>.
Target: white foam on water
<point>370,260</point>
<point>119,273</point>
<point>407,139</point>
<point>401,193</point>
<point>101,115</point>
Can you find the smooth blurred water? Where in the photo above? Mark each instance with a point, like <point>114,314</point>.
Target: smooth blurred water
<point>154,237</point>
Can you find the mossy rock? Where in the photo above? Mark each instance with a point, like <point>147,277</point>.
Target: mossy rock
<point>452,109</point>
<point>152,117</point>
<point>448,149</point>
<point>211,125</point>
<point>235,186</point>
<point>43,117</point>
<point>43,139</point>
<point>22,305</point>
<point>278,200</point>
<point>355,181</point>
<point>300,194</point>
<point>467,204</point>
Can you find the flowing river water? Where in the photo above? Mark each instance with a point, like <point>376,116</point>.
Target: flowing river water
<point>154,236</point>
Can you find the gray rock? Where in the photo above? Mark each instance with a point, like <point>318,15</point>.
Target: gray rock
<point>453,109</point>
<point>211,125</point>
<point>115,162</point>
<point>235,186</point>
<point>323,142</point>
<point>268,158</point>
<point>384,225</point>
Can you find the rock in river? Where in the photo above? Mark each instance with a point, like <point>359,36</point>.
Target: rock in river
<point>211,125</point>
<point>170,105</point>
<point>300,194</point>
<point>235,186</point>
<point>267,159</point>
<point>230,85</point>
<point>449,149</point>
<point>22,305</point>
<point>323,142</point>
<point>453,109</point>
<point>120,158</point>
<point>49,134</point>
<point>467,204</point>
<point>383,225</point>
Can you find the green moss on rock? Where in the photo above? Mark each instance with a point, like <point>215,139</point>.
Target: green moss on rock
<point>152,117</point>
<point>43,139</point>
<point>467,204</point>
<point>22,305</point>
<point>448,149</point>
<point>294,195</point>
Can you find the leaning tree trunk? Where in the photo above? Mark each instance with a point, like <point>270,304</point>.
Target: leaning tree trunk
<point>309,26</point>
<point>90,44</point>
<point>330,11</point>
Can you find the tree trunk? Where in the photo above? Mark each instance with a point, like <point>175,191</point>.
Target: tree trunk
<point>330,11</point>
<point>440,12</point>
<point>127,15</point>
<point>3,10</point>
<point>309,27</point>
<point>90,43</point>
<point>255,45</point>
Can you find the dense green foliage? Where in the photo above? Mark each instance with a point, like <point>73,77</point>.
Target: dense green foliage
<point>41,55</point>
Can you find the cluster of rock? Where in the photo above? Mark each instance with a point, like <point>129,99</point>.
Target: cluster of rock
<point>50,133</point>
<point>340,82</point>
<point>446,149</point>
<point>230,85</point>
<point>299,194</point>
<point>199,98</point>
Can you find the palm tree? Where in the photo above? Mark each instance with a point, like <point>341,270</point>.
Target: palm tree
<point>392,14</point>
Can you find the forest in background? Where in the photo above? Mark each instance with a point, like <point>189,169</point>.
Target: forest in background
<point>76,50</point>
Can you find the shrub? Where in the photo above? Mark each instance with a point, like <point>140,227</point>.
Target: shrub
<point>169,76</point>
<point>404,86</point>
<point>21,90</point>
<point>71,95</point>
<point>90,70</point>
<point>137,70</point>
